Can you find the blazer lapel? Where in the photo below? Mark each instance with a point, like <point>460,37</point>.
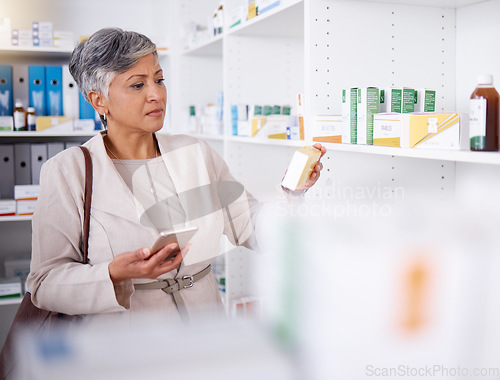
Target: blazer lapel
<point>110,193</point>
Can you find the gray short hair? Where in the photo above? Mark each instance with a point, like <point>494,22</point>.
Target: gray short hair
<point>109,51</point>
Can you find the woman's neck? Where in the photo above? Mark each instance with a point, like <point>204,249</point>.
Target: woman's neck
<point>137,146</point>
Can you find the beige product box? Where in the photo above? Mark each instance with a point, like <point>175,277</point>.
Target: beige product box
<point>7,207</point>
<point>276,126</point>
<point>6,123</point>
<point>64,39</point>
<point>425,100</point>
<point>368,101</point>
<point>300,115</point>
<point>387,129</point>
<point>257,124</point>
<point>26,192</point>
<point>54,124</point>
<point>25,207</point>
<point>301,167</point>
<point>349,115</point>
<point>418,130</point>
<point>327,128</point>
<point>84,125</point>
<point>430,131</point>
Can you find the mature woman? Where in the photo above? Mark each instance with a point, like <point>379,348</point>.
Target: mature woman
<point>143,182</point>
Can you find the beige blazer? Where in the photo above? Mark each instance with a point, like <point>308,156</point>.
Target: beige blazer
<point>59,282</point>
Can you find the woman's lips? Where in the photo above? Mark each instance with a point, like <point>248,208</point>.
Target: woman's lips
<point>156,113</point>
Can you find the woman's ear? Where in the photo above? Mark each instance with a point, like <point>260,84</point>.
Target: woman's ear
<point>98,102</point>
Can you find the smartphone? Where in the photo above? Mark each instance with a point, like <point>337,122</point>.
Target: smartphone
<point>180,236</point>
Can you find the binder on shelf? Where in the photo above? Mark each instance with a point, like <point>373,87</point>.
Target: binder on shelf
<point>38,158</point>
<point>71,106</point>
<point>22,164</point>
<point>6,171</point>
<point>86,109</point>
<point>53,148</point>
<point>6,100</point>
<point>53,90</point>
<point>20,84</point>
<point>36,76</point>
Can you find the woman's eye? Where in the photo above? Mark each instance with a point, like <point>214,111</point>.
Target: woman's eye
<point>161,80</point>
<point>137,86</point>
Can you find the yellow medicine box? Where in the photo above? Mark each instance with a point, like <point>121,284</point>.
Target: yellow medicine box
<point>418,130</point>
<point>301,167</point>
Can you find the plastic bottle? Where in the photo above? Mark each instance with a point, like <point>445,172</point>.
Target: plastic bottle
<point>31,119</point>
<point>19,117</point>
<point>484,115</point>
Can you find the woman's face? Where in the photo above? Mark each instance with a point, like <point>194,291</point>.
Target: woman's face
<point>137,98</point>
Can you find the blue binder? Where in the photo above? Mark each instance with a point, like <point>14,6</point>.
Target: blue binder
<point>86,109</point>
<point>6,100</point>
<point>53,90</point>
<point>36,76</point>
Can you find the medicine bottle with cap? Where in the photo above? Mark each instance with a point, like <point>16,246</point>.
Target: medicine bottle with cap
<point>19,117</point>
<point>484,115</point>
<point>31,119</point>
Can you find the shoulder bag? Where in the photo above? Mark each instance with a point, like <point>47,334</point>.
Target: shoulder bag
<point>30,315</point>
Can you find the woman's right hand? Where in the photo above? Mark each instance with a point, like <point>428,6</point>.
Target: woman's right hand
<point>145,264</point>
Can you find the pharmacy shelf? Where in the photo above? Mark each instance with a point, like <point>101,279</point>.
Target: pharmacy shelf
<point>489,158</point>
<point>208,137</point>
<point>211,47</point>
<point>286,20</point>
<point>262,141</point>
<point>10,301</point>
<point>431,3</point>
<point>48,134</point>
<point>16,218</point>
<point>36,51</point>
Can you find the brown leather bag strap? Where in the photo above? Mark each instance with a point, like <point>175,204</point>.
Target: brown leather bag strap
<point>87,202</point>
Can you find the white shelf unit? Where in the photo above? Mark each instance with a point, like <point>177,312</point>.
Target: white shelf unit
<point>319,47</point>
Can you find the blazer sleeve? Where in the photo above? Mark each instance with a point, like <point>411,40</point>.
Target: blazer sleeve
<point>240,216</point>
<point>58,280</point>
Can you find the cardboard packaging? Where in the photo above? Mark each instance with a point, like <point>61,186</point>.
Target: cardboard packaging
<point>418,130</point>
<point>26,192</point>
<point>25,208</point>
<point>425,100</point>
<point>10,288</point>
<point>349,116</point>
<point>54,124</point>
<point>368,101</point>
<point>300,115</point>
<point>301,167</point>
<point>267,5</point>
<point>393,98</point>
<point>7,207</point>
<point>6,123</point>
<point>407,100</point>
<point>277,126</point>
<point>327,128</point>
<point>387,129</point>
